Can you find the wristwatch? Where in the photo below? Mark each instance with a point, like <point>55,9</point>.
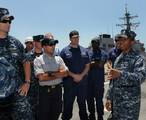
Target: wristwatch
<point>27,81</point>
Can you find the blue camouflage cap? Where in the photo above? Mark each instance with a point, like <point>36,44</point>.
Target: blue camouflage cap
<point>4,13</point>
<point>126,34</point>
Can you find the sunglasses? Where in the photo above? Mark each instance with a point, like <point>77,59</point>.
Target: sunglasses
<point>6,21</point>
<point>51,44</point>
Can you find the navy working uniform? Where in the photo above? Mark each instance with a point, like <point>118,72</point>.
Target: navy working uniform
<point>33,93</point>
<point>96,79</point>
<point>12,50</point>
<point>125,90</point>
<point>112,55</point>
<point>75,59</point>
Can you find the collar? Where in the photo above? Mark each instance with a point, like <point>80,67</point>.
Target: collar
<point>50,57</point>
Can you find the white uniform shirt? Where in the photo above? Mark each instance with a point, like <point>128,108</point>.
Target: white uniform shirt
<point>44,63</point>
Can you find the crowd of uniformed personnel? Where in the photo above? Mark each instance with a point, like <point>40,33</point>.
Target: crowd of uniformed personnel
<point>42,71</point>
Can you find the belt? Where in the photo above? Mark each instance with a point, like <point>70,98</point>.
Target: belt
<point>50,88</point>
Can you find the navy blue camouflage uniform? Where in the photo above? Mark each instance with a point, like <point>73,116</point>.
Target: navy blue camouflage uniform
<point>19,107</point>
<point>125,91</point>
<point>112,55</point>
<point>33,93</point>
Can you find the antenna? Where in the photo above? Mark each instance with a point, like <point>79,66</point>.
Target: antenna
<point>128,25</point>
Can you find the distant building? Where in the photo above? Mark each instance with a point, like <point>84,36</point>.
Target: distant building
<point>106,42</point>
<point>138,46</point>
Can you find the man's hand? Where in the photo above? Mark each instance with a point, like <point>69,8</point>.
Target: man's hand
<point>23,90</point>
<point>77,77</point>
<point>112,73</point>
<point>108,105</point>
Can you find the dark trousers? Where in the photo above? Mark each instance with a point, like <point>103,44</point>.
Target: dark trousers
<point>5,111</point>
<point>95,93</point>
<point>33,98</point>
<point>70,92</point>
<point>17,109</point>
<point>50,102</point>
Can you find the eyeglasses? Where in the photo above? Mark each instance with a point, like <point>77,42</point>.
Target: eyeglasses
<point>6,21</point>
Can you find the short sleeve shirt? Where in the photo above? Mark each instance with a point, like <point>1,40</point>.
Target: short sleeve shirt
<point>75,58</point>
<point>44,63</point>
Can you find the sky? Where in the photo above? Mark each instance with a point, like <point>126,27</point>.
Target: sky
<point>90,17</point>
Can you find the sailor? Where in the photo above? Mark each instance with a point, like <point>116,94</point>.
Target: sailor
<point>77,60</point>
<point>50,69</point>
<point>13,51</point>
<point>33,91</point>
<point>127,75</point>
<point>98,58</point>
